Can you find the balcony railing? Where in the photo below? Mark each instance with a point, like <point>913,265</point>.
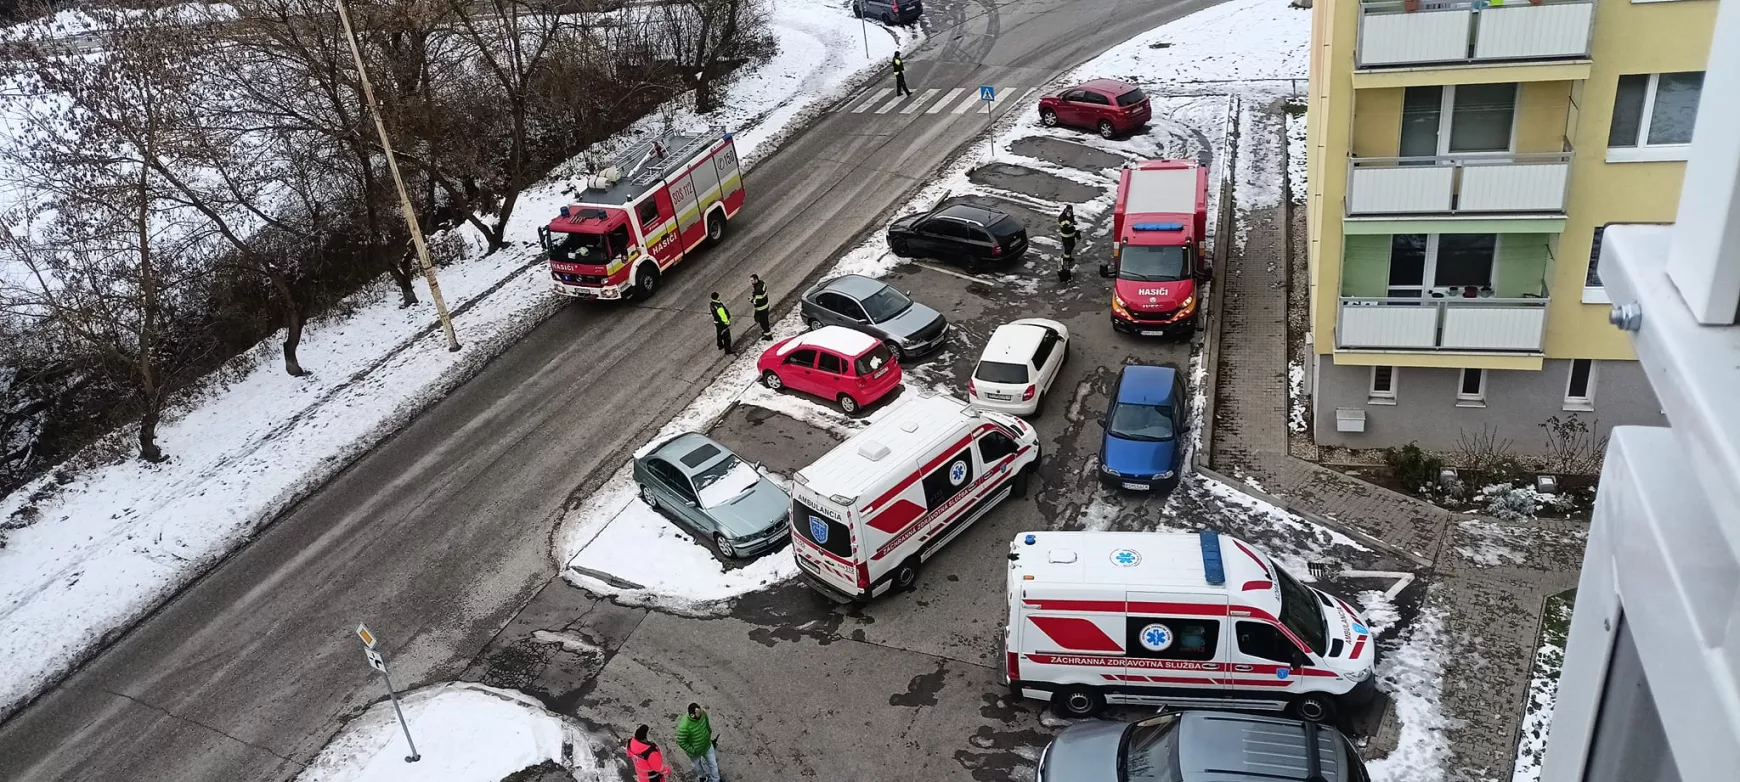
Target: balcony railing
<point>1473,325</point>
<point>1450,185</point>
<point>1458,32</point>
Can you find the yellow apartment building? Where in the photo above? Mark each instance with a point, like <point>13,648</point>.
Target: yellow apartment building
<point>1463,158</point>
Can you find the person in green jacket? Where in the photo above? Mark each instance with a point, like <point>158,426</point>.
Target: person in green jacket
<point>695,736</point>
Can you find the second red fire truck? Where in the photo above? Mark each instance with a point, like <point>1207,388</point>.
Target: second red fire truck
<point>656,203</point>
<point>1159,250</point>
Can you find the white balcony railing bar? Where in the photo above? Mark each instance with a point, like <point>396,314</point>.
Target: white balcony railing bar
<point>1459,32</point>
<point>1504,183</point>
<point>1471,325</point>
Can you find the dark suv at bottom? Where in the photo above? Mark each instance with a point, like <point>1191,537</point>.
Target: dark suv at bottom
<point>1201,746</point>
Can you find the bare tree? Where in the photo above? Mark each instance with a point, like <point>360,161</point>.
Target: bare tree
<point>710,39</point>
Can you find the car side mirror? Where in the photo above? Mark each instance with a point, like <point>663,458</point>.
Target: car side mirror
<point>1106,270</point>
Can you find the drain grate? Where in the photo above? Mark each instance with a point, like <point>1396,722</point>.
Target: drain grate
<point>1320,569</point>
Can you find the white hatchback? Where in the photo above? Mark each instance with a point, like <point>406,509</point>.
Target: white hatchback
<point>1021,361</point>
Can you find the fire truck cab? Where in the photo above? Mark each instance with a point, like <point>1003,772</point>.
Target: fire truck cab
<point>655,203</point>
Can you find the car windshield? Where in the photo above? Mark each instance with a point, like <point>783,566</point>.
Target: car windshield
<point>725,480</point>
<point>1151,264</point>
<point>580,248</point>
<point>1142,422</point>
<point>885,304</point>
<point>1148,751</point>
<point>1300,612</point>
<point>1132,98</point>
<point>1000,372</point>
<point>877,358</point>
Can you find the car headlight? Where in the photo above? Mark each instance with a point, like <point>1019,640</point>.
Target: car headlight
<point>1360,675</point>
<point>1188,304</point>
<point>1164,475</point>
<point>1108,470</point>
<point>1118,306</point>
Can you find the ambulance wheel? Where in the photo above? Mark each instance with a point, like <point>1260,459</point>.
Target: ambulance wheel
<point>848,405</point>
<point>1106,129</point>
<point>646,282</point>
<point>907,574</point>
<point>1077,702</point>
<point>771,380</point>
<point>1048,118</point>
<point>715,228</point>
<point>1313,707</point>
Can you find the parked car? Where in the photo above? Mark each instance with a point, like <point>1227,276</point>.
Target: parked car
<point>961,233</point>
<point>889,12</point>
<point>1109,106</point>
<point>1143,426</point>
<point>719,497</point>
<point>863,304</point>
<point>1201,746</point>
<point>1021,361</point>
<point>846,367</point>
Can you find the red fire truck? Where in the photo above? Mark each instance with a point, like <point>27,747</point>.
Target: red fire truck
<point>1159,234</point>
<point>648,210</point>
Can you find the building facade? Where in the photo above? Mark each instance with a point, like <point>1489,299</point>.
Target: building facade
<point>1463,161</point>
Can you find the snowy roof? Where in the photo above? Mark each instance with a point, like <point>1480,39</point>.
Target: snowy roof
<point>1169,560</point>
<point>909,431</point>
<point>838,339</point>
<point>1167,190</point>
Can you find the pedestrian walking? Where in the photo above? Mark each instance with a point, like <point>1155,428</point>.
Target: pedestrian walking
<point>758,299</point>
<point>1066,233</point>
<point>900,76</point>
<point>695,735</point>
<point>721,324</point>
<point>649,763</point>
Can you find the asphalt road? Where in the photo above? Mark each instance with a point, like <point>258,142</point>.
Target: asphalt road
<point>441,535</point>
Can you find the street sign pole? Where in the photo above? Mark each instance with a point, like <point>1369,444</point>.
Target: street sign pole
<point>988,94</point>
<point>378,662</point>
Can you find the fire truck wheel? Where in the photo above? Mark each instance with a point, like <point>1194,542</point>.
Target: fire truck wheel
<point>1314,707</point>
<point>646,282</point>
<point>907,574</point>
<point>715,227</point>
<point>848,405</point>
<point>1106,129</point>
<point>771,380</point>
<point>1048,117</point>
<point>1077,702</point>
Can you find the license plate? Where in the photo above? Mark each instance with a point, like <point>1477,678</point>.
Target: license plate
<point>1136,486</point>
<point>880,372</point>
<point>999,397</point>
<point>1152,332</point>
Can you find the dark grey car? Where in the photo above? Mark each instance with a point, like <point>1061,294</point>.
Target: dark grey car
<point>875,308</point>
<point>1201,746</point>
<point>719,497</point>
<point>889,12</point>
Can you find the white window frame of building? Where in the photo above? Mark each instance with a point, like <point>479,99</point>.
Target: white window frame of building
<point>1447,117</point>
<point>1640,150</point>
<point>1429,271</point>
<point>1584,402</point>
<point>1377,396</point>
<point>1593,291</point>
<point>1476,398</point>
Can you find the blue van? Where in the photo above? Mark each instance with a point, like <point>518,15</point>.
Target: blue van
<point>1145,424</point>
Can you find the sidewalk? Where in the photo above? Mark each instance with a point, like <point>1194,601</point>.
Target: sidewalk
<point>1490,578</point>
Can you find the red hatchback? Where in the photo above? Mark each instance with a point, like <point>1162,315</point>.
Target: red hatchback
<point>850,368</point>
<point>1106,105</point>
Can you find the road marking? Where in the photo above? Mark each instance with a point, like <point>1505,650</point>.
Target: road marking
<point>1402,579</point>
<point>944,102</point>
<point>867,102</point>
<point>923,97</point>
<point>892,103</point>
<point>952,273</point>
<point>972,98</point>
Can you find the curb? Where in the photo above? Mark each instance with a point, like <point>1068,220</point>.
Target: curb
<point>1222,248</point>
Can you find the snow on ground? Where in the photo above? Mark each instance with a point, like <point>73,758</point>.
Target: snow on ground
<point>1263,43</point>
<point>1412,674</point>
<point>1296,396</point>
<point>464,733</point>
<point>118,539</point>
<point>1296,151</point>
<point>1543,688</point>
<point>1493,544</point>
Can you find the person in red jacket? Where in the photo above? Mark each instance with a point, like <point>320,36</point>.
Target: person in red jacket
<point>649,762</point>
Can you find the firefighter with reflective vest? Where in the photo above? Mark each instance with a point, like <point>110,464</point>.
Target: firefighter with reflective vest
<point>900,76</point>
<point>1067,233</point>
<point>721,323</point>
<point>758,298</point>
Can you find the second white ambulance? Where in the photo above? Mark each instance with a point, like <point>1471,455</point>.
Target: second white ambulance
<point>867,514</point>
<point>1176,618</point>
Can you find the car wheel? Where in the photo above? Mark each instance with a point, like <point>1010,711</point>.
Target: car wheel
<point>894,348</point>
<point>647,496</point>
<point>1048,118</point>
<point>813,324</point>
<point>907,574</point>
<point>898,246</point>
<point>771,380</point>
<point>848,405</point>
<point>715,228</point>
<point>1078,702</point>
<point>725,549</point>
<point>1314,707</point>
<point>646,283</point>
<point>888,19</point>
<point>1018,486</point>
<point>1106,129</point>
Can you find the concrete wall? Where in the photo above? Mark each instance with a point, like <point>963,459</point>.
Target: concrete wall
<point>1517,402</point>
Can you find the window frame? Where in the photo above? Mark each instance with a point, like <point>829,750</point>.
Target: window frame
<point>1640,150</point>
<point>823,355</point>
<point>1294,655</point>
<point>643,207</point>
<point>1376,396</point>
<point>987,459</point>
<point>937,487</point>
<point>1042,351</point>
<point>1429,285</point>
<point>1586,402</point>
<point>1478,397</point>
<point>792,360</point>
<point>1447,120</point>
<point>1135,623</point>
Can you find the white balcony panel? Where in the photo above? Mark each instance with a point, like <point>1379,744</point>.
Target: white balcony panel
<point>1514,188</point>
<point>1388,327</point>
<point>1494,328</point>
<point>1423,36</point>
<point>1401,189</point>
<point>1555,30</point>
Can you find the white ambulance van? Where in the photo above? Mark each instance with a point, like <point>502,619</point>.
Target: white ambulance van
<point>1184,619</point>
<point>867,514</point>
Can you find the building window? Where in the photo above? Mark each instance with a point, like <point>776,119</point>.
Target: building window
<point>1472,390</point>
<point>1440,265</point>
<point>1653,110</point>
<point>1383,386</point>
<point>1443,120</point>
<point>1580,387</point>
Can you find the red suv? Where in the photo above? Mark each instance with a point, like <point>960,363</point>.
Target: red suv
<point>1109,106</point>
<point>847,367</point>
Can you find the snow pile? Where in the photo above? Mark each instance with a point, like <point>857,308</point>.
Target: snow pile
<point>1296,396</point>
<point>1296,151</point>
<point>1543,690</point>
<point>1413,676</point>
<point>464,732</point>
<point>1508,503</point>
<point>1262,42</point>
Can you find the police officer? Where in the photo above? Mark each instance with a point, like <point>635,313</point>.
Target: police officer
<point>721,323</point>
<point>758,298</point>
<point>1067,233</point>
<point>900,76</point>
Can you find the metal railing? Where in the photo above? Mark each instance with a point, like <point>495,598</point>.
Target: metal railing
<point>1497,183</point>
<point>1490,325</point>
<point>1390,35</point>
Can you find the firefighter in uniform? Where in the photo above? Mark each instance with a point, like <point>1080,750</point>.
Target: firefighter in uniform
<point>758,298</point>
<point>721,323</point>
<point>900,76</point>
<point>1067,234</point>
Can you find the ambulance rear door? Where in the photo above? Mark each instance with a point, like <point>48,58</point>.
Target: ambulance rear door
<point>1176,644</point>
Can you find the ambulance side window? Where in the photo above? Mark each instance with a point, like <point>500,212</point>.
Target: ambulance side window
<point>1171,637</point>
<point>948,479</point>
<point>994,446</point>
<point>1260,639</point>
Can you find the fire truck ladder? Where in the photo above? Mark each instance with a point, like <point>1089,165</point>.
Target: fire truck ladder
<point>653,173</point>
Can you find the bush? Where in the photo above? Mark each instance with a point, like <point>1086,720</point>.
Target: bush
<point>1507,503</point>
<point>1413,467</point>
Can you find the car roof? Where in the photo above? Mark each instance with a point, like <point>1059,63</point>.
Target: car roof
<point>1013,343</point>
<point>1218,746</point>
<point>855,285</point>
<point>1146,385</point>
<point>839,339</point>
<point>977,214</point>
<point>1112,86</point>
<point>675,449</point>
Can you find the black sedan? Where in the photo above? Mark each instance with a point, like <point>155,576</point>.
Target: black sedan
<point>962,233</point>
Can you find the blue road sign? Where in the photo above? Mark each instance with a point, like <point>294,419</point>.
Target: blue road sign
<point>987,93</point>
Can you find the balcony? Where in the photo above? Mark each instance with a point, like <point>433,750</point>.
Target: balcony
<point>1485,185</point>
<point>1466,325</point>
<point>1458,33</point>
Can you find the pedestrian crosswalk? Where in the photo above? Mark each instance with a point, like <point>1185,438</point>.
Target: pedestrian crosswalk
<point>944,101</point>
